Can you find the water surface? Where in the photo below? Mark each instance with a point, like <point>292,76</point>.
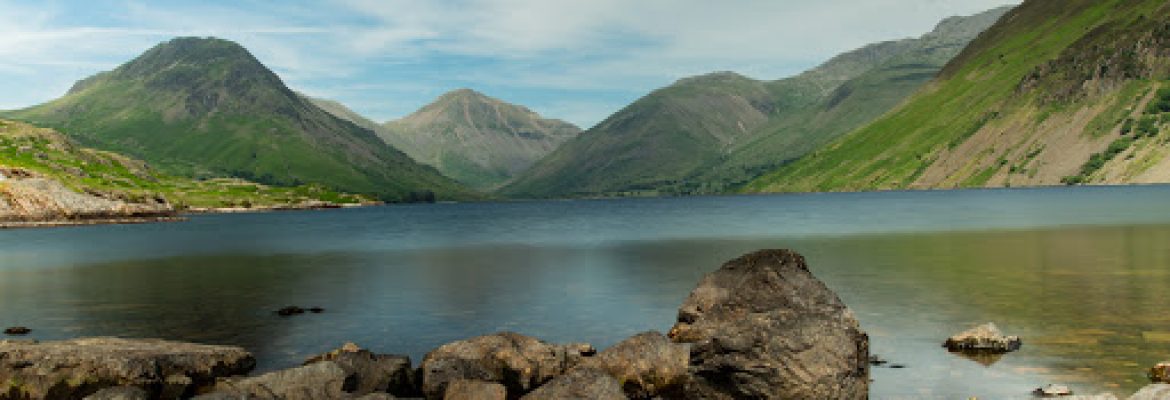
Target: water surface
<point>1079,273</point>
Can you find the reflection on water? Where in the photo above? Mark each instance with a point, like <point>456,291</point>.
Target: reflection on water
<point>1087,300</point>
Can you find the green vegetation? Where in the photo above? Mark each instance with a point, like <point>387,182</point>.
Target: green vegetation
<point>1035,68</point>
<point>205,108</point>
<point>713,133</point>
<point>107,174</point>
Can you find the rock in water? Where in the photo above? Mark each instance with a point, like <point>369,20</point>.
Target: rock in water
<point>985,338</point>
<point>17,330</point>
<point>318,381</point>
<point>520,363</point>
<point>1052,390</point>
<point>1160,372</point>
<point>73,369</point>
<point>374,373</point>
<point>763,327</point>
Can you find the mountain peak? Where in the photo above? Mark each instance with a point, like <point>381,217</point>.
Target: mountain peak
<point>465,94</point>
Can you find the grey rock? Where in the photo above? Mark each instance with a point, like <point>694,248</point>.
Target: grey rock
<point>322,380</point>
<point>464,389</point>
<point>648,365</point>
<point>582,383</point>
<point>374,373</point>
<point>521,363</point>
<point>80,367</point>
<point>763,327</point>
<point>35,201</point>
<point>120,393</point>
<point>1157,391</point>
<point>985,338</point>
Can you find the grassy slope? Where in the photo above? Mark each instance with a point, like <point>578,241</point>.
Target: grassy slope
<point>976,125</point>
<point>86,170</point>
<point>475,139</point>
<point>207,108</point>
<point>713,133</point>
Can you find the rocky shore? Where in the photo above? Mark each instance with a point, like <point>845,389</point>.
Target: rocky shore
<point>759,327</point>
<point>28,200</point>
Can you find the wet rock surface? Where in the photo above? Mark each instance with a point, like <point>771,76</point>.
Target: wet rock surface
<point>763,327</point>
<point>521,363</point>
<point>74,369</point>
<point>985,338</point>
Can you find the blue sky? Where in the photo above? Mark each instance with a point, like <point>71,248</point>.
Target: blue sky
<point>575,60</point>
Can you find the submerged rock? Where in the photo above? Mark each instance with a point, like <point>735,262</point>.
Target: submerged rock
<point>763,327</point>
<point>985,338</point>
<point>521,363</point>
<point>290,311</point>
<point>73,369</point>
<point>17,330</point>
<point>374,373</point>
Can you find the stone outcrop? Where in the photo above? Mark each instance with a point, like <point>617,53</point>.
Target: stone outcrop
<point>520,363</point>
<point>985,338</point>
<point>763,327</point>
<point>30,200</point>
<point>374,373</point>
<point>74,369</point>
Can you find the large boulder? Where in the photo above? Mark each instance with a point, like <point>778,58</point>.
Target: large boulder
<point>464,389</point>
<point>763,327</point>
<point>648,365</point>
<point>374,373</point>
<point>520,363</point>
<point>581,383</point>
<point>985,338</point>
<point>74,369</point>
<point>322,380</point>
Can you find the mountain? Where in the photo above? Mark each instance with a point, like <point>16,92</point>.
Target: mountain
<point>1055,93</point>
<point>206,107</point>
<point>712,133</point>
<point>341,111</point>
<point>475,139</point>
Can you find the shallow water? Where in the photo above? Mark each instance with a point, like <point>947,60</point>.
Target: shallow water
<point>1079,273</point>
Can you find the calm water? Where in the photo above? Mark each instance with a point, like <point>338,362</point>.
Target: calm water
<point>1080,273</point>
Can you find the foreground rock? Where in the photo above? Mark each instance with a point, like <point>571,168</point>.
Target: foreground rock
<point>581,383</point>
<point>464,389</point>
<point>763,327</point>
<point>1158,391</point>
<point>120,393</point>
<point>520,363</point>
<point>648,365</point>
<point>28,200</point>
<point>374,373</point>
<point>323,380</point>
<point>74,369</point>
<point>985,338</point>
<point>1160,373</point>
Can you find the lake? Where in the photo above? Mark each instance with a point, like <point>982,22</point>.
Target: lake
<point>1081,274</point>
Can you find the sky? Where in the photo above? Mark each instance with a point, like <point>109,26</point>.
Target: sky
<point>575,60</point>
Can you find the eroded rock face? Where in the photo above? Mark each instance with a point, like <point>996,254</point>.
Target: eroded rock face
<point>763,327</point>
<point>322,380</point>
<point>520,363</point>
<point>581,383</point>
<point>74,369</point>
<point>35,200</point>
<point>374,373</point>
<point>985,338</point>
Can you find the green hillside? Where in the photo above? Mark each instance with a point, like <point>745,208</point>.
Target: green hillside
<point>109,175</point>
<point>207,108</point>
<point>475,139</point>
<point>1055,93</point>
<point>713,133</point>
